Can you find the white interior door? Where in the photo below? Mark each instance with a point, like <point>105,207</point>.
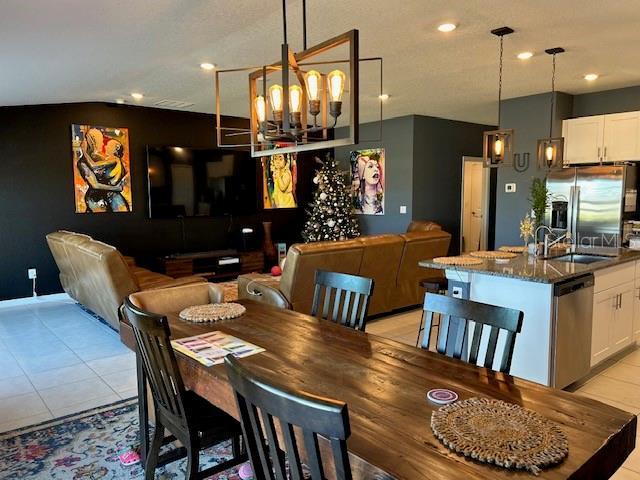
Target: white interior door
<point>474,189</point>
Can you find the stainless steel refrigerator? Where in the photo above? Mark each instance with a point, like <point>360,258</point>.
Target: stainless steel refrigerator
<point>595,204</point>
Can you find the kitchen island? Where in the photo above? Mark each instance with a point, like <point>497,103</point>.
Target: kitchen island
<point>575,314</point>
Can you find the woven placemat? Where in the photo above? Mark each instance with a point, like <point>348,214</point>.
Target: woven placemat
<point>493,255</point>
<point>513,248</point>
<point>212,312</point>
<point>459,260</point>
<point>501,433</point>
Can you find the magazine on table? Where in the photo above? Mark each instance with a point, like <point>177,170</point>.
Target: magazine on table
<point>210,348</point>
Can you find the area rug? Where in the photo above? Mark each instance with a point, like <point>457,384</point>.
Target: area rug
<point>86,446</point>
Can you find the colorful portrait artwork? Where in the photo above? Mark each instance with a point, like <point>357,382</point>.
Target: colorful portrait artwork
<point>367,181</point>
<point>101,171</point>
<point>279,178</point>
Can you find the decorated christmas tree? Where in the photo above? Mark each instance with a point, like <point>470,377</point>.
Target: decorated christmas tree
<point>331,216</point>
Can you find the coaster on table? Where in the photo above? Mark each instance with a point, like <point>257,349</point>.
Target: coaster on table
<point>493,255</point>
<point>442,396</point>
<point>459,260</point>
<point>507,435</point>
<point>513,248</point>
<point>212,312</point>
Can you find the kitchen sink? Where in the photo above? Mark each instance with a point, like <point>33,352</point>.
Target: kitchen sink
<point>581,258</point>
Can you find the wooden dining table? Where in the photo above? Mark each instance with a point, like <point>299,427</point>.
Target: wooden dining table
<point>384,384</point>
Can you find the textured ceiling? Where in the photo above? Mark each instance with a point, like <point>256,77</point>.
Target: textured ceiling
<point>72,50</point>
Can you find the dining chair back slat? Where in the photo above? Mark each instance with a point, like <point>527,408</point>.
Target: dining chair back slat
<point>459,318</point>
<point>344,298</point>
<point>292,410</point>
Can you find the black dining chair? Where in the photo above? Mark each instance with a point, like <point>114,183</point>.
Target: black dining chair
<point>260,403</point>
<point>342,298</point>
<point>459,318</point>
<point>193,421</point>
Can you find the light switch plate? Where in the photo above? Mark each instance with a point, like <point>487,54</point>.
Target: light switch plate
<point>510,188</point>
<point>403,209</point>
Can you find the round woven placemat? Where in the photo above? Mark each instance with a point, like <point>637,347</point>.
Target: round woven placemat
<point>212,312</point>
<point>513,248</point>
<point>493,431</point>
<point>493,255</point>
<point>459,260</point>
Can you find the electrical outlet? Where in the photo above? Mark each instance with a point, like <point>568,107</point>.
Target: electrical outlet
<point>510,188</point>
<point>403,209</point>
<point>32,273</point>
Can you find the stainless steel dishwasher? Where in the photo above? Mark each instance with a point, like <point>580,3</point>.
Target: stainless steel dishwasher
<point>571,330</point>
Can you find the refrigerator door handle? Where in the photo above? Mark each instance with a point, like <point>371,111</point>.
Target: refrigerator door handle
<point>575,206</point>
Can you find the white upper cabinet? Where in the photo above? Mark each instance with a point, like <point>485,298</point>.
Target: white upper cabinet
<point>621,135</point>
<point>583,139</point>
<point>602,138</point>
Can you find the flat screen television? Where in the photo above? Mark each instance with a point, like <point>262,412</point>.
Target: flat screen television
<point>199,182</point>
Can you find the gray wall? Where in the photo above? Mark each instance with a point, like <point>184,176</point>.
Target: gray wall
<point>397,140</point>
<point>529,117</point>
<point>609,101</point>
<point>423,170</point>
<point>438,148</point>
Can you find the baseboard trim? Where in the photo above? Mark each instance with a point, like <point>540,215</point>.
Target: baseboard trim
<point>16,302</point>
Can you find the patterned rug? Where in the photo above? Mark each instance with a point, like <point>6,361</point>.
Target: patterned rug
<point>86,446</point>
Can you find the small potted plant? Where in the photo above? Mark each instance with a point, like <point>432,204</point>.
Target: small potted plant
<point>539,200</point>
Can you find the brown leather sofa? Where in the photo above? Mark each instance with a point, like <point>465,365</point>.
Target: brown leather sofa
<point>99,277</point>
<point>390,259</point>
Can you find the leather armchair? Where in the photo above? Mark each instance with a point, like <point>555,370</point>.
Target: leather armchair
<point>169,300</point>
<point>256,288</point>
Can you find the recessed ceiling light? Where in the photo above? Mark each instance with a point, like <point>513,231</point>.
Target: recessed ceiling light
<point>590,77</point>
<point>447,27</point>
<point>137,96</point>
<point>120,101</point>
<point>207,66</point>
<point>383,96</point>
<point>525,55</point>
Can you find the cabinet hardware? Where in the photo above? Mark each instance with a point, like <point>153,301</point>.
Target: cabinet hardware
<point>605,153</point>
<point>620,301</point>
<point>599,158</point>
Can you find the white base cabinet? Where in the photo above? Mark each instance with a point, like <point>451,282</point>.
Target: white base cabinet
<point>616,309</point>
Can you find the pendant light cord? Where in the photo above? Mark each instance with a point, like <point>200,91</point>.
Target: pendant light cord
<point>553,97</point>
<point>500,82</point>
<point>284,19</point>
<point>304,24</point>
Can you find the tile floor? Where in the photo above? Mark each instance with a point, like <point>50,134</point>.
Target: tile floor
<point>55,359</point>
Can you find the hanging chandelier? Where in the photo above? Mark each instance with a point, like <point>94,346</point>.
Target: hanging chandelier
<point>550,149</point>
<point>296,102</point>
<point>498,144</point>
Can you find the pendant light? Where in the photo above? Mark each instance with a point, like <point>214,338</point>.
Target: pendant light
<point>550,149</point>
<point>498,144</point>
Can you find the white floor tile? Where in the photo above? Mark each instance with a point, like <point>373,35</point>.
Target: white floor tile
<point>42,363</point>
<point>625,474</point>
<point>85,405</point>
<point>25,422</point>
<point>21,406</point>
<point>61,376</point>
<point>609,401</point>
<point>118,363</point>
<point>63,396</point>
<point>127,394</point>
<point>11,387</point>
<point>614,389</point>
<point>9,367</point>
<point>104,349</point>
<point>121,381</point>
<point>624,371</point>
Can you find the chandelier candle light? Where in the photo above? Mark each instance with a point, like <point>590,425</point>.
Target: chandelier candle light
<point>296,102</point>
<point>551,150</point>
<point>498,144</point>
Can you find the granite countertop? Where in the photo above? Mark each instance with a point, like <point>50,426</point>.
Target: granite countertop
<point>544,270</point>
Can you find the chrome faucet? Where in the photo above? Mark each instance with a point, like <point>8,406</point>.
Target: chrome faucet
<point>547,244</point>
